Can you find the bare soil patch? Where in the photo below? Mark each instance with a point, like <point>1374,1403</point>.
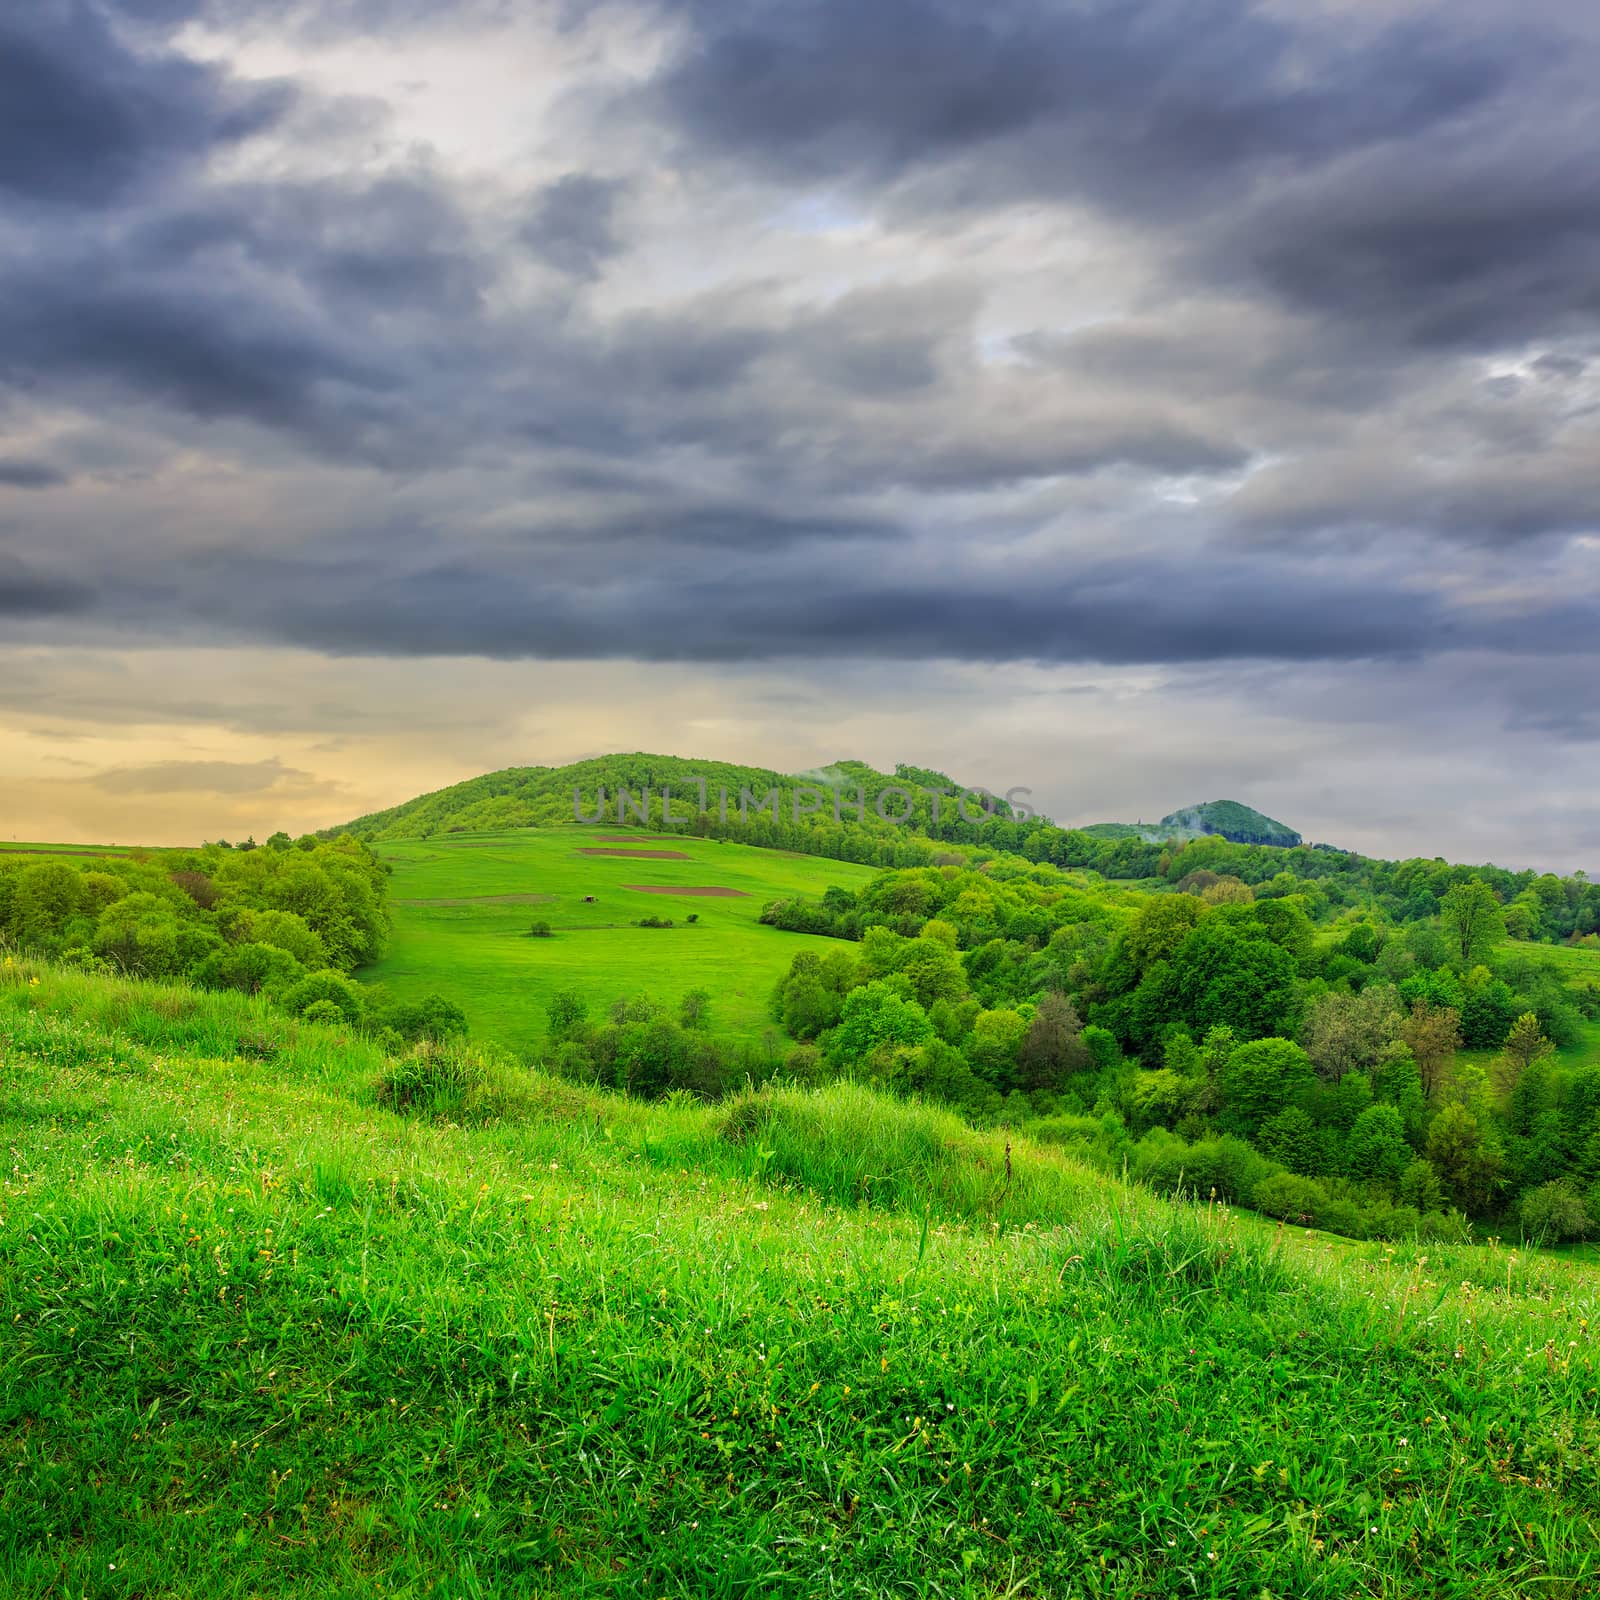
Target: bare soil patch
<point>641,855</point>
<point>672,888</point>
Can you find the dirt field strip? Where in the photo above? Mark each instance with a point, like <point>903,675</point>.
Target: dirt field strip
<point>672,888</point>
<point>640,855</point>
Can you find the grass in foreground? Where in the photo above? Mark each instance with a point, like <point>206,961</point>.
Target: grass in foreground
<point>260,1337</point>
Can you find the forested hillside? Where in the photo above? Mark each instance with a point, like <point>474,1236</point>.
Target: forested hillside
<point>1537,905</point>
<point>1369,1075</point>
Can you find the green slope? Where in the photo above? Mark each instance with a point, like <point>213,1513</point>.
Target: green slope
<point>261,1338</point>
<point>521,797</point>
<point>463,904</point>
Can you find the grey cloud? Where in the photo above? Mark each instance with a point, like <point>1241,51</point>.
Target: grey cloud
<point>26,593</point>
<point>572,224</point>
<point>86,116</point>
<point>23,474</point>
<point>791,606</point>
<point>844,454</point>
<point>1429,178</point>
<point>1135,101</point>
<point>203,777</point>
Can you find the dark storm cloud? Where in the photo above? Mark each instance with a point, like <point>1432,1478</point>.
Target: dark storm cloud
<point>27,594</point>
<point>314,307</point>
<point>572,223</point>
<point>16,474</point>
<point>85,115</point>
<point>565,445</point>
<point>1431,181</point>
<point>1139,102</point>
<point>1448,246</point>
<point>843,600</point>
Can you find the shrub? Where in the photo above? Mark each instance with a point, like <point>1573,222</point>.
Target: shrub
<point>325,985</point>
<point>1226,1167</point>
<point>539,930</point>
<point>1554,1212</point>
<point>1295,1199</point>
<point>653,922</point>
<point>431,1017</point>
<point>323,1011</point>
<point>450,1081</point>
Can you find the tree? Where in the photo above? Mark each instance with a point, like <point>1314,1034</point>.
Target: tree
<point>1292,1138</point>
<point>249,968</point>
<point>1262,1078</point>
<point>46,895</point>
<point>569,1015</point>
<point>875,1015</point>
<point>141,934</point>
<point>1472,922</point>
<point>1160,928</point>
<point>1554,1212</point>
<point>1220,974</point>
<point>1376,1147</point>
<point>1052,1049</point>
<point>1468,1166</point>
<point>934,971</point>
<point>1525,1044</point>
<point>1419,1188</point>
<point>286,931</point>
<point>996,1040</point>
<point>432,1017</point>
<point>694,1010</point>
<point>1433,1035</point>
<point>810,1007</point>
<point>326,985</point>
<point>1349,1032</point>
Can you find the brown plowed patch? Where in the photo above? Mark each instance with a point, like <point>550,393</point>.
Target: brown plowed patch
<point>641,855</point>
<point>672,888</point>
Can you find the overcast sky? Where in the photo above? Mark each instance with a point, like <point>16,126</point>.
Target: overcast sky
<point>1144,401</point>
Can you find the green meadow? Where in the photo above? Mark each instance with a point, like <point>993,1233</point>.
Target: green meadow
<point>463,905</point>
<point>261,1336</point>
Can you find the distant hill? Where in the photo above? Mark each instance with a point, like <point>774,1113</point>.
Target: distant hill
<point>522,797</point>
<point>1240,824</point>
<point>1234,821</point>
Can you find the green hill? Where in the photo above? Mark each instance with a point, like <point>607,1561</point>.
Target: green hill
<point>262,1334</point>
<point>525,797</point>
<point>1239,824</point>
<point>1229,819</point>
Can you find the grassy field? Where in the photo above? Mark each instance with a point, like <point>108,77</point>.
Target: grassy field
<point>16,847</point>
<point>463,906</point>
<point>261,1337</point>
